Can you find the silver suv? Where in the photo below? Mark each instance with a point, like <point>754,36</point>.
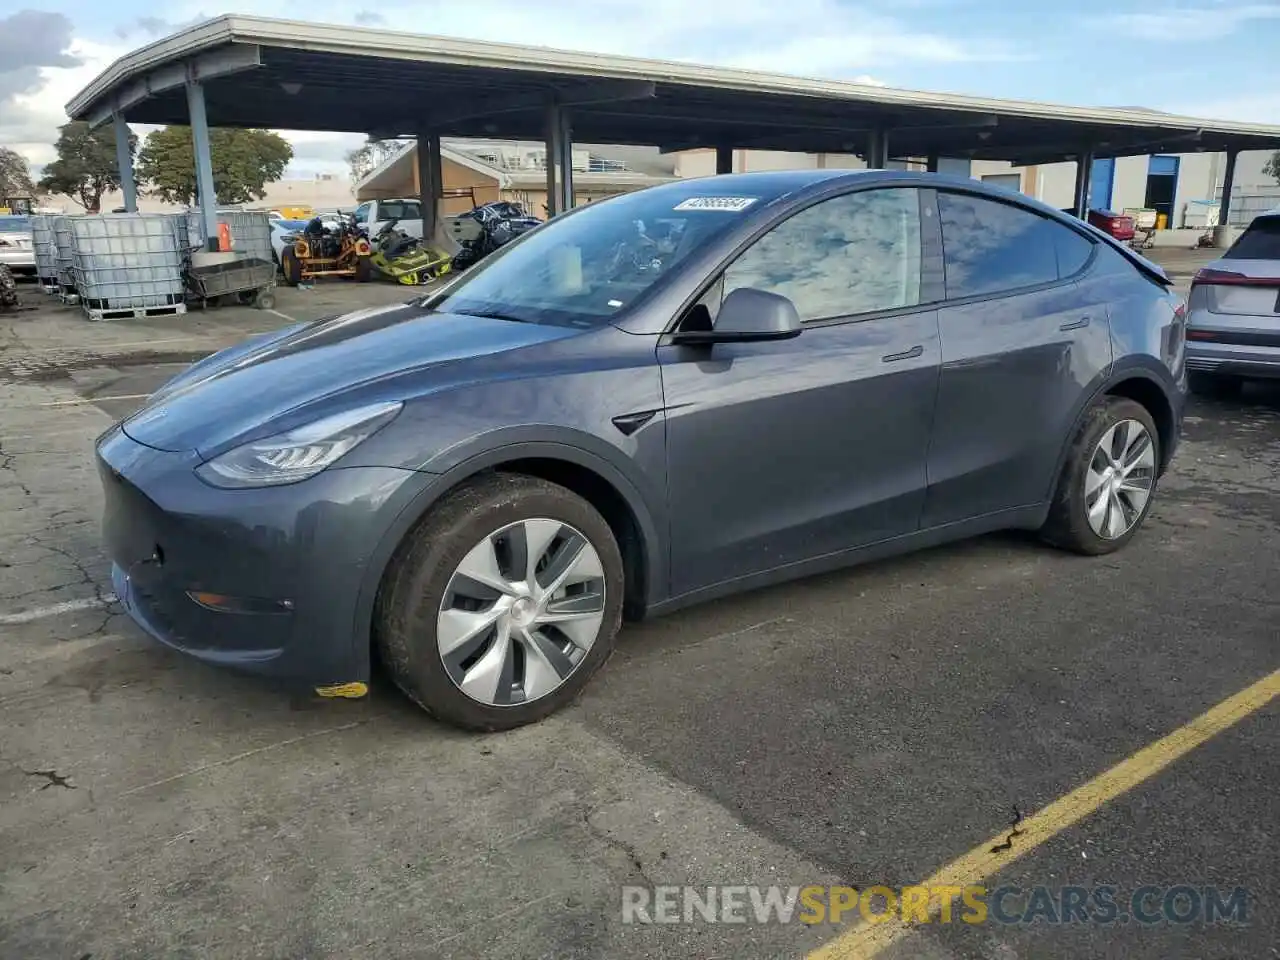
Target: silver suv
<point>1233,331</point>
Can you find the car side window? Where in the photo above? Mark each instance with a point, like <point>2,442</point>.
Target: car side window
<point>853,254</point>
<point>991,247</point>
<point>1073,251</point>
<point>362,213</point>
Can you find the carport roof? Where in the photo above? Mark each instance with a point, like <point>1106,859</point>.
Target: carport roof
<point>261,72</point>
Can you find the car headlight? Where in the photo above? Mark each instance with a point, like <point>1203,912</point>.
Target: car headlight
<point>299,453</point>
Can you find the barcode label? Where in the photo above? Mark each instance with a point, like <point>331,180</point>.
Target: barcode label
<point>725,204</point>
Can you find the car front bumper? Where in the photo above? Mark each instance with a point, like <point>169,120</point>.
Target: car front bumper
<point>274,580</point>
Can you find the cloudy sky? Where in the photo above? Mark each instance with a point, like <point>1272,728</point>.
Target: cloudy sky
<point>1210,58</point>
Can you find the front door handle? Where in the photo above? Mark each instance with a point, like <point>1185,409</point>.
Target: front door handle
<point>911,354</point>
<point>1075,324</point>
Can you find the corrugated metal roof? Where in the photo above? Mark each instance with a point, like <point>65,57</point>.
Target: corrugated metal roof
<point>344,65</point>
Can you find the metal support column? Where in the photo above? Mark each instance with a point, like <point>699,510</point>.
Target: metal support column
<point>430,185</point>
<point>124,162</point>
<point>553,153</point>
<point>1228,184</point>
<point>724,160</point>
<point>559,160</point>
<point>877,157</point>
<point>931,163</point>
<point>204,163</point>
<point>1084,171</point>
<point>566,161</point>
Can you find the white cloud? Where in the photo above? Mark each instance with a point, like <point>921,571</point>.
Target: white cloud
<point>825,38</point>
<point>1190,24</point>
<point>31,124</point>
<point>1255,108</point>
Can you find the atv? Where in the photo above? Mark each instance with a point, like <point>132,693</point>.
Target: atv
<point>405,258</point>
<point>320,251</point>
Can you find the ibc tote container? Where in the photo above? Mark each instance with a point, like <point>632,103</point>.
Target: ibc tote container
<point>46,250</point>
<point>250,232</point>
<point>127,264</point>
<point>64,261</point>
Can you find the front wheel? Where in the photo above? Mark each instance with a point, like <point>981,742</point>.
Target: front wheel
<point>503,603</point>
<point>1108,481</point>
<point>291,267</point>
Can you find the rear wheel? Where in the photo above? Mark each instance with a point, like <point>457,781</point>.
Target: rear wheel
<point>1215,385</point>
<point>503,603</point>
<point>1108,481</point>
<point>364,270</point>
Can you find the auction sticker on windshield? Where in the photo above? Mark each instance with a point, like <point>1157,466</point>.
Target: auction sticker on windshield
<point>727,204</point>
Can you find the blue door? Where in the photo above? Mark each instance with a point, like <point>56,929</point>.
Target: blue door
<point>1101,182</point>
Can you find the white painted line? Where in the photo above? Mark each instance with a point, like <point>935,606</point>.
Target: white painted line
<point>92,430</point>
<point>120,346</point>
<point>83,400</point>
<point>283,316</point>
<point>66,649</point>
<point>57,609</point>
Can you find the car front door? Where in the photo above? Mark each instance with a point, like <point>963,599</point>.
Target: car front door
<point>788,450</point>
<point>1021,340</point>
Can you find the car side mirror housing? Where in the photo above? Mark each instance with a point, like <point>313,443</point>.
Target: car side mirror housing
<point>749,315</point>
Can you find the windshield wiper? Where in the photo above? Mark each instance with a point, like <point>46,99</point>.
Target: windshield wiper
<point>495,315</point>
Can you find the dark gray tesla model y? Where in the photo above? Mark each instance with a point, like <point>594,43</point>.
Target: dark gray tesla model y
<point>664,397</point>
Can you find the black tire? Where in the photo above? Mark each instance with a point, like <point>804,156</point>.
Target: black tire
<point>415,581</point>
<point>291,267</point>
<point>364,270</point>
<point>1216,385</point>
<point>1067,525</point>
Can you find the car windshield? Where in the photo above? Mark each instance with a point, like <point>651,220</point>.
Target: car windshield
<point>597,261</point>
<point>1261,241</point>
<point>11,224</point>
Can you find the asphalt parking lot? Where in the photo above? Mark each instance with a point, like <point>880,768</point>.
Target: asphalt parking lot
<point>862,728</point>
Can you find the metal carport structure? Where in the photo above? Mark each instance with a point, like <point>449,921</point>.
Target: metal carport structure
<point>241,71</point>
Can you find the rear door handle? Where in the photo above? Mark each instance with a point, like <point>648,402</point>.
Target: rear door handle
<point>1075,324</point>
<point>911,354</point>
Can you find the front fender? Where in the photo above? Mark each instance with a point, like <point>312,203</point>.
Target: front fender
<point>454,466</point>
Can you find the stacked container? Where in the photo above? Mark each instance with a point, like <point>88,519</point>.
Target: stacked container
<point>127,265</point>
<point>46,252</point>
<point>250,232</point>
<point>64,261</point>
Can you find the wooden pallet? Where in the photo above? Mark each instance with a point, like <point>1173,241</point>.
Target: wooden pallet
<point>135,313</point>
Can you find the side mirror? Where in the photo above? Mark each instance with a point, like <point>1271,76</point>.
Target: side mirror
<point>747,316</point>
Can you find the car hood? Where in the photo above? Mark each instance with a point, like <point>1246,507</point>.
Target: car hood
<point>276,384</point>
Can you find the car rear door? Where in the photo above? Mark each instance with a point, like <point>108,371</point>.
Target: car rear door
<point>1020,342</point>
<point>788,450</point>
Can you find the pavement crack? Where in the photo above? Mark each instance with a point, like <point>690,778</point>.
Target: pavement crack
<point>87,579</point>
<point>55,779</point>
<point>614,843</point>
<point>1013,832</point>
<point>6,464</point>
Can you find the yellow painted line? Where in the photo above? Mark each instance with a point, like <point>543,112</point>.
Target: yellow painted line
<point>867,939</point>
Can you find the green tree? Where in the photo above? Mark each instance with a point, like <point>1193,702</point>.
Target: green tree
<point>1272,168</point>
<point>86,166</point>
<point>369,156</point>
<point>244,162</point>
<point>15,175</point>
